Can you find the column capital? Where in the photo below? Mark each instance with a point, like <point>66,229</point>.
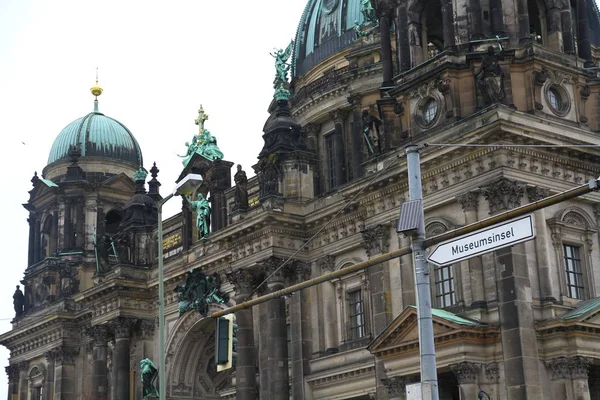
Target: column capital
<point>355,100</point>
<point>301,270</point>
<point>243,281</point>
<point>396,385</point>
<point>146,328</point>
<point>23,366</point>
<point>123,327</point>
<point>272,272</point>
<point>503,194</point>
<point>492,372</point>
<point>536,193</point>
<point>99,334</point>
<point>466,372</point>
<point>376,240</point>
<point>579,366</point>
<point>327,263</point>
<point>338,115</point>
<point>12,371</point>
<point>64,355</point>
<point>469,201</point>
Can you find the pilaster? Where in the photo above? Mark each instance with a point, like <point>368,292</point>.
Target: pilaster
<point>467,375</point>
<point>100,336</point>
<point>64,373</point>
<point>470,203</point>
<point>328,301</point>
<point>123,328</point>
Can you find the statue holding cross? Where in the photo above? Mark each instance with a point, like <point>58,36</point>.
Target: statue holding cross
<point>203,143</point>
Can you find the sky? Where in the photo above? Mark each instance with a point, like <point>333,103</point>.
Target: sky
<point>157,62</point>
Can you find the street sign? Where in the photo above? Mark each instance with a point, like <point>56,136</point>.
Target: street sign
<point>483,241</point>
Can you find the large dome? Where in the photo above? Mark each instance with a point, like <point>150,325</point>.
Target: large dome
<point>326,27</point>
<point>97,135</point>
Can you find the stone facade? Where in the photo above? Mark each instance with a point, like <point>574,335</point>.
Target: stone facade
<point>504,110</point>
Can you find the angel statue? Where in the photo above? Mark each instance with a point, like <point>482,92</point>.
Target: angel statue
<point>282,66</point>
<point>149,374</point>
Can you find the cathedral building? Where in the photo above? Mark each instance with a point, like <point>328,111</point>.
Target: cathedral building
<point>507,97</point>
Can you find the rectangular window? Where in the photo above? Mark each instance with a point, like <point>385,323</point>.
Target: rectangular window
<point>575,287</point>
<point>356,314</point>
<point>444,286</point>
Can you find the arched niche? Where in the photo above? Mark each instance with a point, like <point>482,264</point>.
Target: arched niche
<point>191,371</point>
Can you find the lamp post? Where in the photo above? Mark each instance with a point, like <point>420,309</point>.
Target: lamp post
<point>185,186</point>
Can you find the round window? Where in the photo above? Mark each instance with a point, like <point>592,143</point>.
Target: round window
<point>558,100</point>
<point>555,99</point>
<point>430,111</point>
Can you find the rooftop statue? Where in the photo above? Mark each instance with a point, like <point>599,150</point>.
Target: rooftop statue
<point>198,291</point>
<point>366,8</point>
<point>490,77</point>
<point>149,374</point>
<point>18,302</point>
<point>282,66</point>
<point>203,143</point>
<point>202,209</point>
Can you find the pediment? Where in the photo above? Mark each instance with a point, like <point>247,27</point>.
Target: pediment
<point>119,182</point>
<point>403,331</point>
<point>41,188</point>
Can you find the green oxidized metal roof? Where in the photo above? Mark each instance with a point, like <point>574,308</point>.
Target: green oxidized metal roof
<point>97,136</point>
<point>326,28</point>
<point>450,317</point>
<point>582,309</point>
<point>48,182</point>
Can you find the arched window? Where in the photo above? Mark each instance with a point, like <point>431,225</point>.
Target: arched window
<point>113,220</point>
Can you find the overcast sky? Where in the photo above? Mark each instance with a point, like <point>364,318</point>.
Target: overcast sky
<point>158,61</point>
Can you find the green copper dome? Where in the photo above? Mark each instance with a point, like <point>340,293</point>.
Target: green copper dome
<point>97,135</point>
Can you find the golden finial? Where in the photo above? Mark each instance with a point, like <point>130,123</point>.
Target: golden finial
<point>201,118</point>
<point>96,89</point>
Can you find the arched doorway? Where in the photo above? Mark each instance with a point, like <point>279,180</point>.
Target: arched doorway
<point>191,370</point>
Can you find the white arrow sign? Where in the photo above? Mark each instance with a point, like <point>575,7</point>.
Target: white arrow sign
<point>483,241</point>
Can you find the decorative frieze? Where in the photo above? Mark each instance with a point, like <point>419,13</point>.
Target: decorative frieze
<point>466,372</point>
<point>376,240</point>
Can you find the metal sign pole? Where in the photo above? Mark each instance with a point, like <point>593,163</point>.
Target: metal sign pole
<point>423,293</point>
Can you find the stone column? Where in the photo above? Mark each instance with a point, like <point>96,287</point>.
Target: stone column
<point>31,252</point>
<point>357,136</point>
<point>567,28</point>
<point>515,309</point>
<point>68,227</point>
<point>584,47</point>
<point>64,373</point>
<point>553,25</point>
<point>245,371</point>
<point>497,18</point>
<point>279,388</point>
<point>186,224</point>
<point>475,19</point>
<point>12,370</point>
<point>23,384</point>
<point>579,367</point>
<point>80,222</point>
<point>386,48</point>
<point>49,383</point>
<point>523,22</point>
<point>263,345</point>
<point>402,34</point>
<point>470,202</point>
<point>467,373</point>
<point>330,334</point>
<point>99,334</point>
<point>541,244</point>
<point>448,24</point>
<point>339,149</point>
<point>122,328</point>
<point>300,332</point>
<point>37,242</point>
<point>377,241</point>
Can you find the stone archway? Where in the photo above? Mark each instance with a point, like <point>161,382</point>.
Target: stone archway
<point>191,371</point>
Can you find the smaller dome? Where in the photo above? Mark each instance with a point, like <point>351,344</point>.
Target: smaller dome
<point>97,135</point>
